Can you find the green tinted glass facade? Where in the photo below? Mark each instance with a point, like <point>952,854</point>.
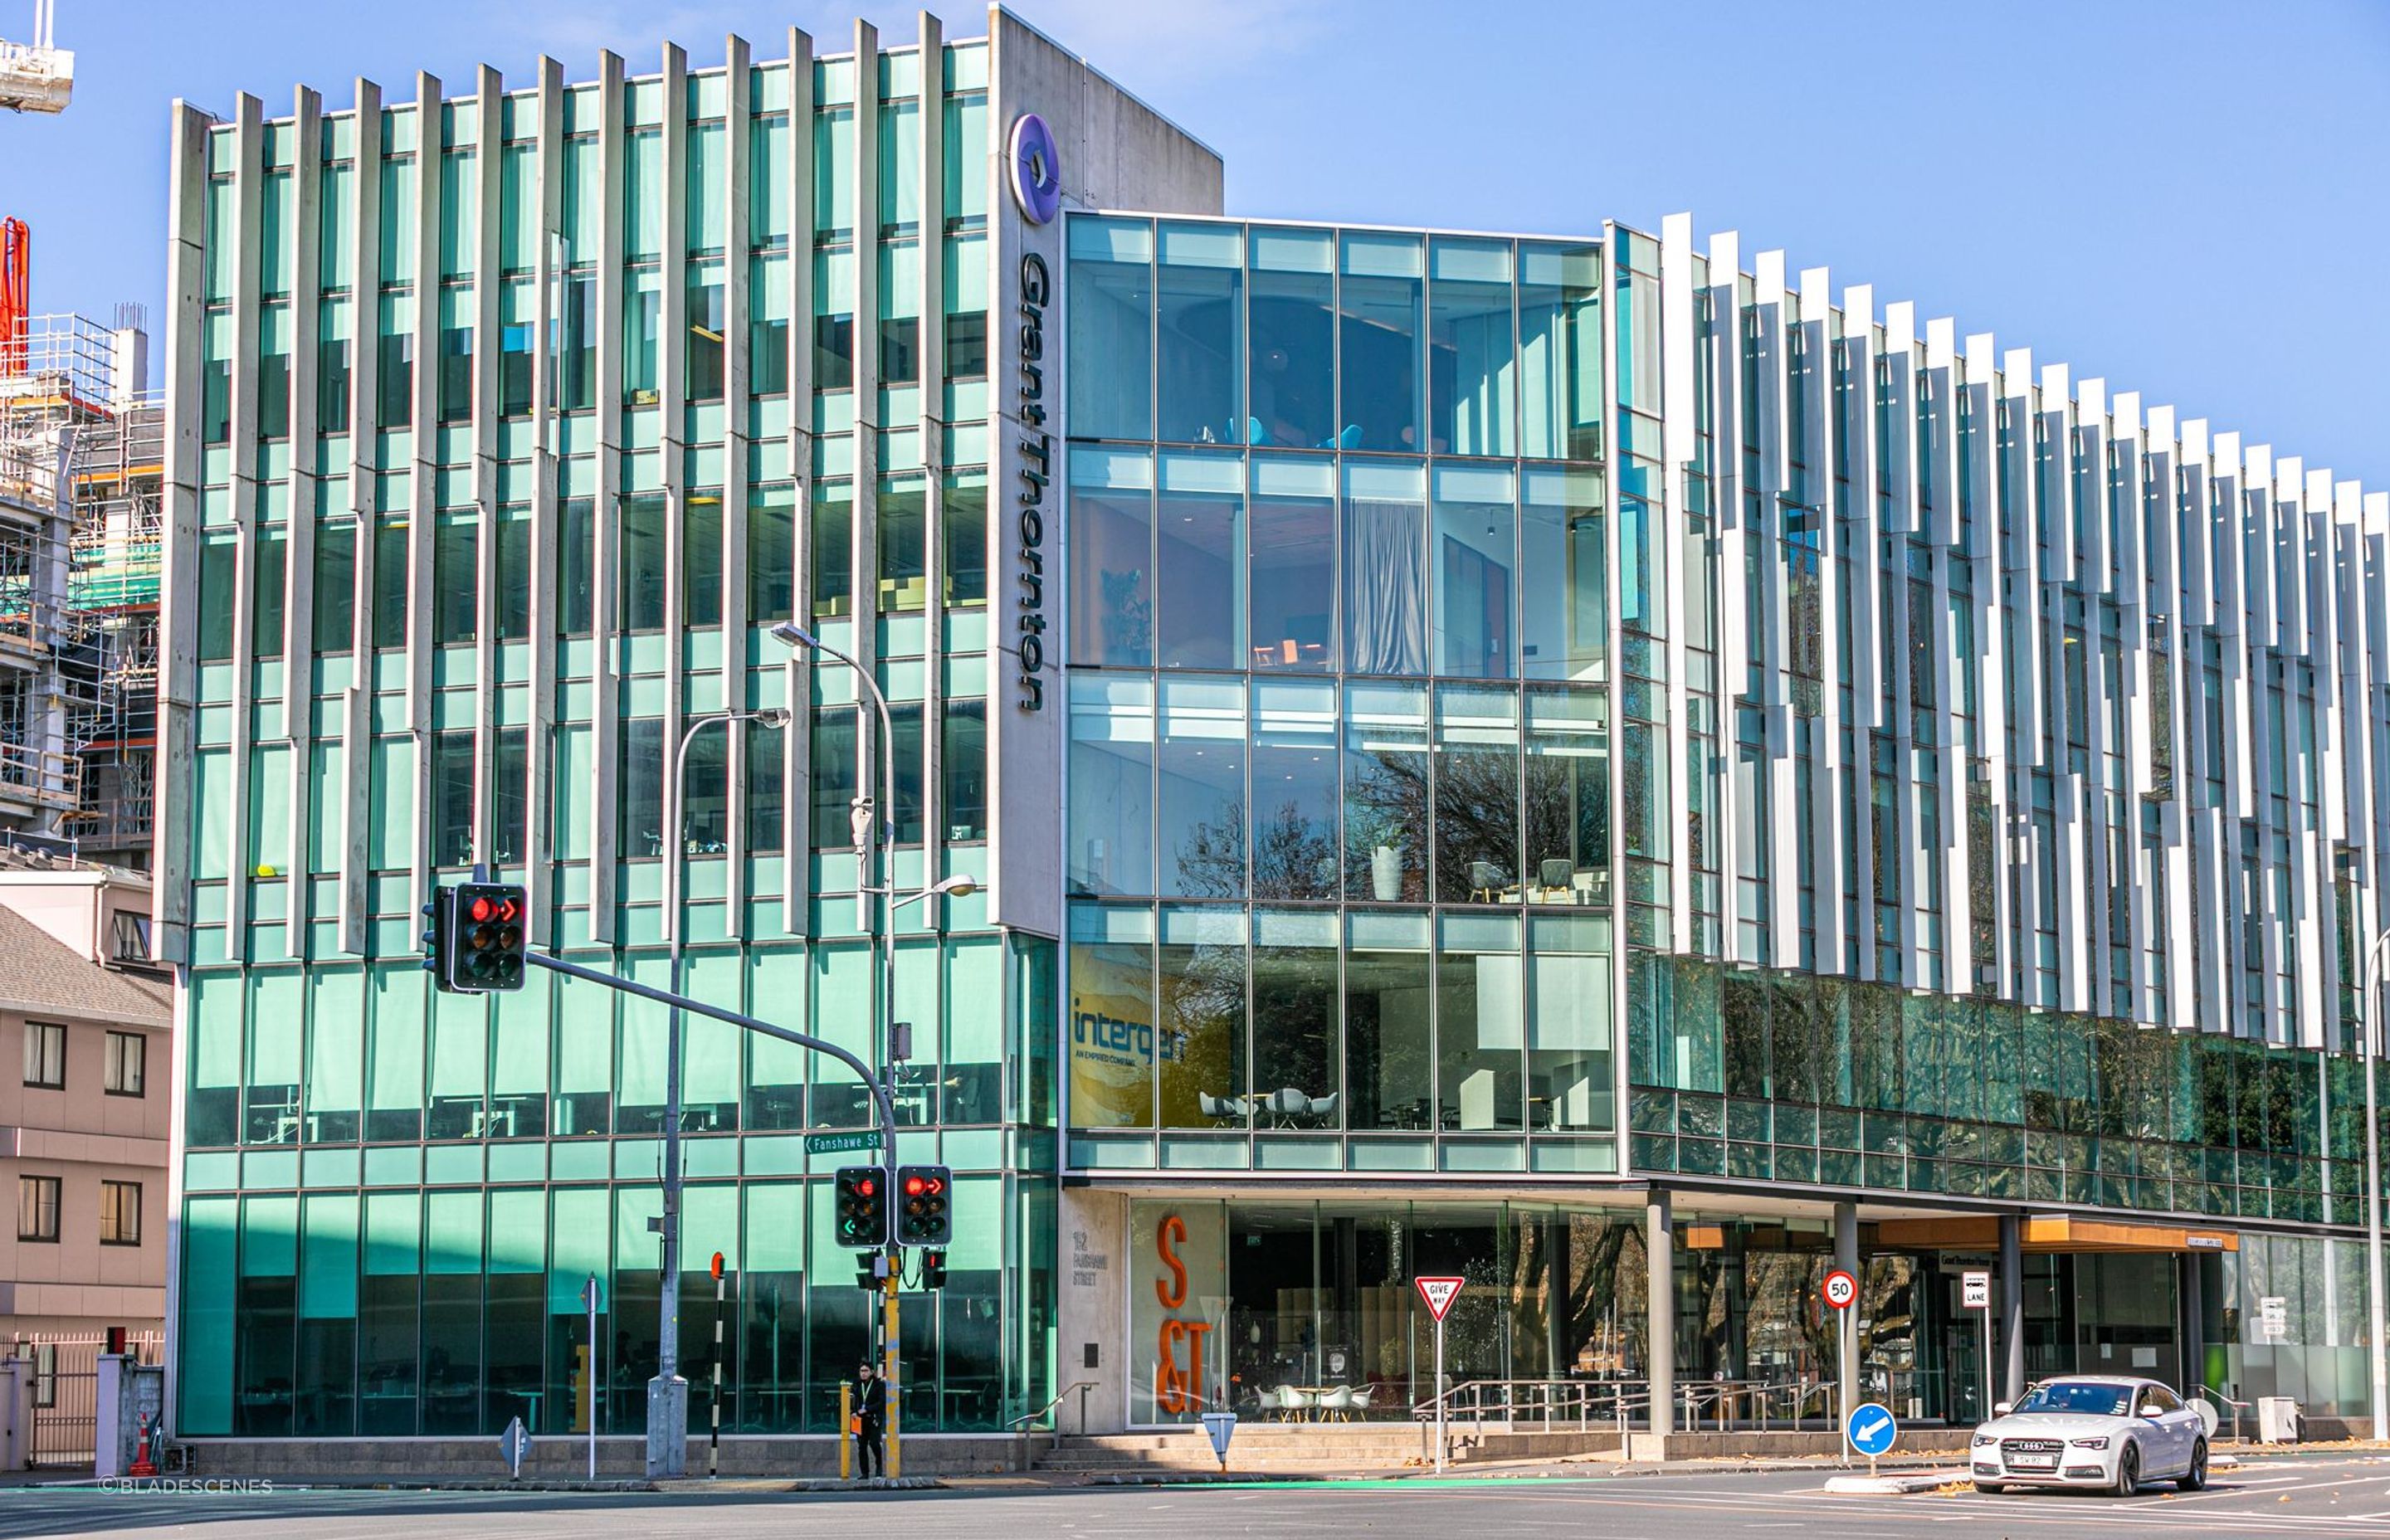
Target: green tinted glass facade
<point>533,410</point>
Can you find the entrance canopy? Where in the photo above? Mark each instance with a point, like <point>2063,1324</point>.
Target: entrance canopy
<point>2051,1232</point>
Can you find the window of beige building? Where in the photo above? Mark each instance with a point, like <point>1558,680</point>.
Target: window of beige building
<point>45,1055</point>
<point>126,1069</point>
<point>120,1214</point>
<point>37,1208</point>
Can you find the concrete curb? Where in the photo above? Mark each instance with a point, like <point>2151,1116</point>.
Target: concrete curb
<point>683,1486</point>
<point>1892,1486</point>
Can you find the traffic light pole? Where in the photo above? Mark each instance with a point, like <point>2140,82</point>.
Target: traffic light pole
<point>862,1071</point>
<point>699,1007</point>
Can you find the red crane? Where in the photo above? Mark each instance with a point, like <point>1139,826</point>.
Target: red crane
<point>16,293</point>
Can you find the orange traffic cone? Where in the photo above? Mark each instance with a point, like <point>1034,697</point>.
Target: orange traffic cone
<point>142,1464</point>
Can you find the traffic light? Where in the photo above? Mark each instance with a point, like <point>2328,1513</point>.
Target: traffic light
<point>862,1207</point>
<point>482,938</point>
<point>438,924</point>
<point>934,1269</point>
<point>925,1212</point>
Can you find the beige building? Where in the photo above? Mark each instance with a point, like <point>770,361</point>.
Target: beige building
<point>86,1101</point>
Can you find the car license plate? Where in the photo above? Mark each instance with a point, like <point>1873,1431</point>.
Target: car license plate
<point>2033,1462</point>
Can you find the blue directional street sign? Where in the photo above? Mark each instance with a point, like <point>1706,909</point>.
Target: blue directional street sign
<point>1871,1430</point>
<point>1221,1426</point>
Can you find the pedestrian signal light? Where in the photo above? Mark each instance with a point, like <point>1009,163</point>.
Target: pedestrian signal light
<point>862,1201</point>
<point>926,1214</point>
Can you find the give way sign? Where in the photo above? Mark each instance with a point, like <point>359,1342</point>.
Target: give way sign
<point>1439,1293</point>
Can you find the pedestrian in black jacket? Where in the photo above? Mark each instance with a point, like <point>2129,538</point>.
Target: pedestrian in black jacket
<point>870,1424</point>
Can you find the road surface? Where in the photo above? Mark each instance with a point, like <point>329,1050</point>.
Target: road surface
<point>2331,1496</point>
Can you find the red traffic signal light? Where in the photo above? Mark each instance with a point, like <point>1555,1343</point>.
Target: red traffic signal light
<point>861,1208</point>
<point>479,942</point>
<point>927,1218</point>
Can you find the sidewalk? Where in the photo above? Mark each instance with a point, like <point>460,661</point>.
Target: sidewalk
<point>1906,1467</point>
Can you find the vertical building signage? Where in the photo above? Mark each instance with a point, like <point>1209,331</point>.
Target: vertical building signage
<point>1037,168</point>
<point>1036,474</point>
<point>1178,1308</point>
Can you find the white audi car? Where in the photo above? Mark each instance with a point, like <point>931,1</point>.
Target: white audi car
<point>2094,1432</point>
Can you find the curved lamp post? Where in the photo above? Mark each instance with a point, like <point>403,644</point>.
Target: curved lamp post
<point>667,1392</point>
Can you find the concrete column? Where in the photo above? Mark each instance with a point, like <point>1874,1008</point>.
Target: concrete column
<point>16,1412</point>
<point>107,1440</point>
<point>2011,1295</point>
<point>1660,1253</point>
<point>2194,1317</point>
<point>1735,1284</point>
<point>1846,1257</point>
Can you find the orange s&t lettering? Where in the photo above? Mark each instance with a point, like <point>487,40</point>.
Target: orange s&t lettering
<point>1173,1292</point>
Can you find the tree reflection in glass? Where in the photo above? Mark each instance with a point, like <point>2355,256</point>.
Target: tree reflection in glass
<point>1386,808</point>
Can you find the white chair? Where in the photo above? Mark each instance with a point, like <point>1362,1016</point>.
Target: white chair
<point>1359,1401</point>
<point>1289,1402</point>
<point>1268,1402</point>
<point>1324,1107</point>
<point>1219,1109</point>
<point>1336,1402</point>
<point>1288,1103</point>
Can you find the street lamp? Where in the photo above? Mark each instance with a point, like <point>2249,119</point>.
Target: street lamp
<point>956,886</point>
<point>2374,1351</point>
<point>668,1392</point>
<point>881,923</point>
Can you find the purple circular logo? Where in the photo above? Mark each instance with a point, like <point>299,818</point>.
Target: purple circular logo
<point>1036,169</point>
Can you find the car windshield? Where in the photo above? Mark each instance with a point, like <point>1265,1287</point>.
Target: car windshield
<point>2078,1398</point>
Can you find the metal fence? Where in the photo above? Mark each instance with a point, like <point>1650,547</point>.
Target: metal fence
<point>66,1391</point>
<point>1553,1405</point>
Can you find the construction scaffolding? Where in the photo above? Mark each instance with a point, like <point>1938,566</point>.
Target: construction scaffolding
<point>82,453</point>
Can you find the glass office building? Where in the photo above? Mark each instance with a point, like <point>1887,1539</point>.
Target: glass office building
<point>1717,758</point>
<point>1568,763</point>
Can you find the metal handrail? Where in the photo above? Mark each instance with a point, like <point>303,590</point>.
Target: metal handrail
<point>1588,1402</point>
<point>2238,1406</point>
<point>1082,1388</point>
<point>1545,1401</point>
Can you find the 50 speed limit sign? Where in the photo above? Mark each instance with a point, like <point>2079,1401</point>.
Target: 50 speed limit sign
<point>1842,1290</point>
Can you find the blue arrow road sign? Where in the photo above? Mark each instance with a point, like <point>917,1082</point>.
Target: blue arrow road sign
<point>1221,1426</point>
<point>1871,1429</point>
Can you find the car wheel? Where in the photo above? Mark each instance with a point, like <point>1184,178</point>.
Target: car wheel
<point>2128,1470</point>
<point>2196,1477</point>
<point>1990,1489</point>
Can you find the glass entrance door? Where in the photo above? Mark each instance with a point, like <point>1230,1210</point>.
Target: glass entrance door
<point>1967,1396</point>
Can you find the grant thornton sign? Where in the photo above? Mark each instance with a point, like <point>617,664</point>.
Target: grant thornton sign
<point>1037,189</point>
<point>1037,475</point>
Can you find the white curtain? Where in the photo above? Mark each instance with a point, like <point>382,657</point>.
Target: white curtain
<point>1386,588</point>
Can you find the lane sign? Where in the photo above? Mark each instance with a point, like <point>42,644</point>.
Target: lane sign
<point>1842,1290</point>
<point>513,1446</point>
<point>1439,1293</point>
<point>1871,1430</point>
<point>1220,1427</point>
<point>1975,1290</point>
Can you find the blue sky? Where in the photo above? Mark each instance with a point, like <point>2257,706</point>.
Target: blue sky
<point>2189,199</point>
